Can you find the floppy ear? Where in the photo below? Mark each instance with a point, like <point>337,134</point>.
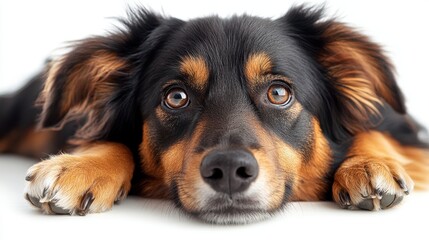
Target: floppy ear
<point>93,80</point>
<point>80,81</point>
<point>360,73</point>
<point>360,76</point>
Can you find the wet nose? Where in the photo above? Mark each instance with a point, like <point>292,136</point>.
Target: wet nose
<point>230,171</point>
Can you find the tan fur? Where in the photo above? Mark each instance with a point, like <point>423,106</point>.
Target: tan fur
<point>418,167</point>
<point>162,115</point>
<point>31,142</point>
<point>153,186</point>
<point>414,160</point>
<point>353,62</point>
<point>375,157</point>
<point>162,174</point>
<point>51,72</point>
<point>36,143</point>
<point>196,69</point>
<point>148,164</point>
<point>104,169</point>
<point>348,49</point>
<point>6,142</point>
<point>89,75</point>
<point>189,162</point>
<point>3,145</point>
<point>355,85</point>
<point>88,85</point>
<point>172,161</point>
<point>359,92</point>
<point>279,163</point>
<point>256,66</point>
<point>295,110</point>
<point>310,184</point>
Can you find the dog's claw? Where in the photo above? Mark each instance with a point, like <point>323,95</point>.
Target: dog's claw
<point>345,198</point>
<point>29,177</point>
<point>378,194</point>
<point>85,204</point>
<point>403,186</point>
<point>34,201</point>
<point>120,196</point>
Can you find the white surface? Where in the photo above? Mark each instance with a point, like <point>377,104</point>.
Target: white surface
<point>153,219</point>
<point>30,30</point>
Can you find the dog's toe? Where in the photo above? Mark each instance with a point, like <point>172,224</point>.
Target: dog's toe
<point>63,185</point>
<point>369,184</point>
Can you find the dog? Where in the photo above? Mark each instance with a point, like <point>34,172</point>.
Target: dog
<point>229,118</point>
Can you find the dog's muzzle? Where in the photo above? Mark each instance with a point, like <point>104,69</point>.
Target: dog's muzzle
<point>229,171</point>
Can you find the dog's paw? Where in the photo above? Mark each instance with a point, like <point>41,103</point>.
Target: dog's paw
<point>370,184</point>
<point>67,184</point>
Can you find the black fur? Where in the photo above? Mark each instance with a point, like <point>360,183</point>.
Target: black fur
<point>404,128</point>
<point>17,110</point>
<point>152,46</point>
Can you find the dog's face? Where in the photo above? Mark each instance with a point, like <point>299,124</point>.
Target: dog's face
<point>230,118</point>
<point>225,126</point>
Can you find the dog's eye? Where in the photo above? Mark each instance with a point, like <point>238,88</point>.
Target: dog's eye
<point>176,98</point>
<point>279,94</point>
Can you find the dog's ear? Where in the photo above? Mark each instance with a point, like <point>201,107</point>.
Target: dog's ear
<point>359,74</point>
<point>93,81</point>
<point>83,79</point>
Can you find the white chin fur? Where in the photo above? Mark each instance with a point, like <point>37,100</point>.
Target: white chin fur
<point>257,192</point>
<point>234,218</point>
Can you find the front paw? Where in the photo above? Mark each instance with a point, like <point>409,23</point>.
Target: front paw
<point>67,184</point>
<point>370,184</point>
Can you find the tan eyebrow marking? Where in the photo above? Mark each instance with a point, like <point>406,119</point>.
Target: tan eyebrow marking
<point>257,65</point>
<point>196,69</point>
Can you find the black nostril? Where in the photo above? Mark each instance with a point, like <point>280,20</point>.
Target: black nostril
<point>243,173</point>
<point>216,174</point>
<point>229,171</point>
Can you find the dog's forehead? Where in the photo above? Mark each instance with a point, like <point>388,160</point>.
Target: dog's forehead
<point>236,35</point>
<point>224,54</point>
<point>227,51</point>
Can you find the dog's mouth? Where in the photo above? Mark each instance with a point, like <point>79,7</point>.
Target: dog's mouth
<point>224,209</point>
<point>232,212</point>
<point>234,215</point>
<point>230,188</point>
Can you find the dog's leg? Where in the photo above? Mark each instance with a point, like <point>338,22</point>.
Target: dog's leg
<point>89,180</point>
<point>378,172</point>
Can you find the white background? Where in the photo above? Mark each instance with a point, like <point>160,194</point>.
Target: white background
<point>31,30</point>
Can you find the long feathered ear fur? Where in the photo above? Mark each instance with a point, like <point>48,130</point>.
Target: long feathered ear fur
<point>94,80</point>
<point>360,75</point>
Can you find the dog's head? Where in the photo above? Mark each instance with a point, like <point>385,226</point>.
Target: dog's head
<point>231,118</point>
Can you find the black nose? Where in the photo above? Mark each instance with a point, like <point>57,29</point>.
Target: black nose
<point>229,171</point>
